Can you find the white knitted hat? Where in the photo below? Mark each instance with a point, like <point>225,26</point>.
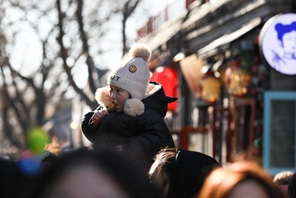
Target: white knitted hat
<point>134,76</point>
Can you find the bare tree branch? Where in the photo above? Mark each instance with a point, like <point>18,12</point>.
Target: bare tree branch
<point>64,56</point>
<point>127,11</point>
<point>89,60</point>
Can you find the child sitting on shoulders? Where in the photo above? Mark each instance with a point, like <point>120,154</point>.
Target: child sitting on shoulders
<point>133,122</point>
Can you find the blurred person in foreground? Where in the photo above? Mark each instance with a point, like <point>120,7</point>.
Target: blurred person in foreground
<point>241,179</point>
<point>87,174</point>
<point>13,181</point>
<point>282,179</point>
<point>291,191</point>
<point>16,175</point>
<point>180,173</point>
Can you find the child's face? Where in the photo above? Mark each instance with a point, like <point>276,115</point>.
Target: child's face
<point>118,97</point>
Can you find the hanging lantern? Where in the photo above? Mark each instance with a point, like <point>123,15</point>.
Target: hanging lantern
<point>211,87</point>
<point>237,80</point>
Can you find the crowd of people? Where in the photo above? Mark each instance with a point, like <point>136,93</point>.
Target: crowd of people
<point>175,173</point>
<point>133,154</point>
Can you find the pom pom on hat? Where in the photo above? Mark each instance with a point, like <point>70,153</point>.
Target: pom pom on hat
<point>133,107</point>
<point>134,76</point>
<point>140,50</point>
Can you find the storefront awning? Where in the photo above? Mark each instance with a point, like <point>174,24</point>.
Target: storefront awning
<point>213,47</point>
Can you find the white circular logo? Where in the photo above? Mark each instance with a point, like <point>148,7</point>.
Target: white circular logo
<point>278,43</point>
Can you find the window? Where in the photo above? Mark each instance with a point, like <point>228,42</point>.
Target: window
<point>279,139</point>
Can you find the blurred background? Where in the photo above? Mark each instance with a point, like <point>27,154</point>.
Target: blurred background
<point>54,54</point>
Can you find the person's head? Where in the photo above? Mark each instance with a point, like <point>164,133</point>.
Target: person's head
<point>282,179</point>
<point>291,191</point>
<point>84,173</point>
<point>130,81</point>
<point>161,170</point>
<point>180,173</point>
<point>240,179</point>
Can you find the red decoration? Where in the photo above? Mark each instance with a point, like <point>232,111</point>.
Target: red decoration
<point>168,77</point>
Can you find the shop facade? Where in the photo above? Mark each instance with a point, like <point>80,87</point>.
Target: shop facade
<point>223,77</point>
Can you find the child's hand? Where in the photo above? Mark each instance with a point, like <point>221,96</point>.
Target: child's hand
<point>98,115</point>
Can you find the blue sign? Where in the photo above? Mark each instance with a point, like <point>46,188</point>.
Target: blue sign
<point>278,43</point>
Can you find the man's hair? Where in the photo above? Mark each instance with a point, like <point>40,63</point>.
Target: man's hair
<point>163,162</point>
<point>283,177</point>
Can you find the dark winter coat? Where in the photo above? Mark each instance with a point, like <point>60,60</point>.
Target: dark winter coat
<point>141,136</point>
<point>189,172</point>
